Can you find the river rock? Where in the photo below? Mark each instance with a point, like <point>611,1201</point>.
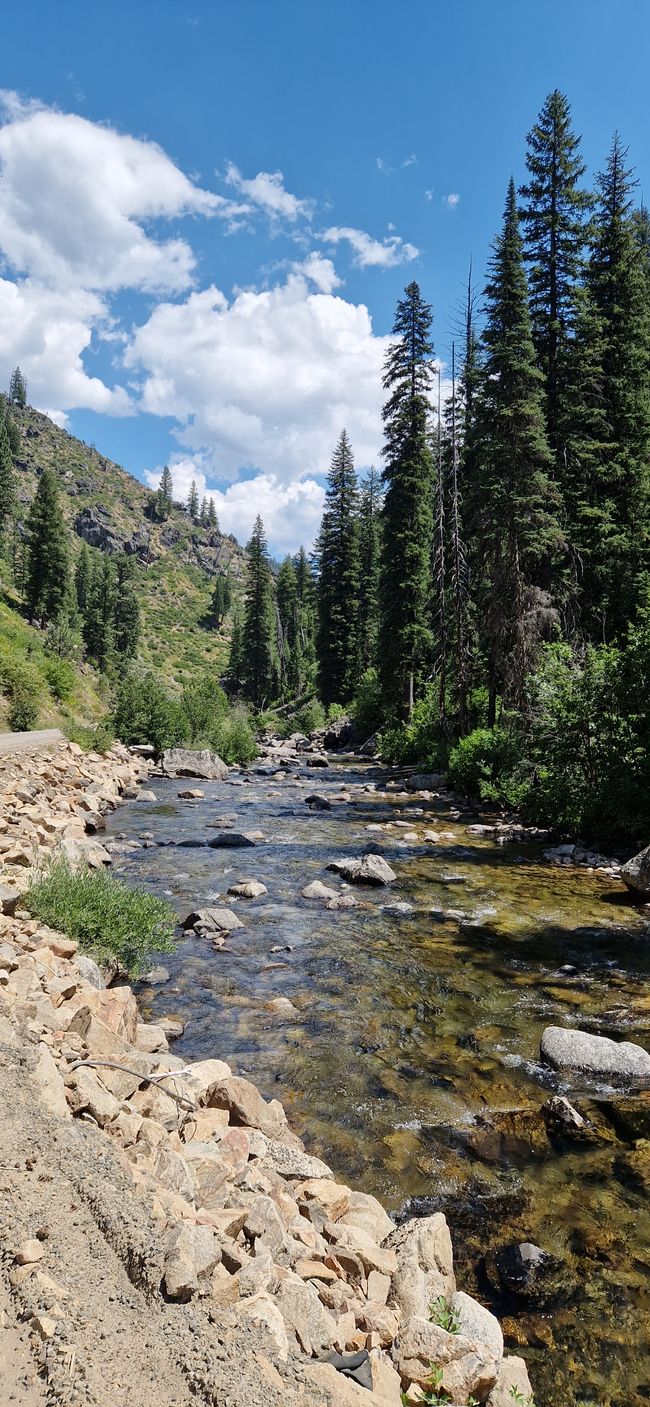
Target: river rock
<point>476,1322</point>
<point>367,869</point>
<point>512,1385</point>
<point>525,1270</point>
<point>318,803</point>
<point>425,781</point>
<point>230,840</point>
<point>425,1264</point>
<point>293,1162</point>
<point>191,794</point>
<point>209,921</point>
<point>560,1117</point>
<point>88,969</point>
<point>636,874</point>
<point>469,1369</point>
<point>246,1106</point>
<point>318,890</point>
<point>248,889</point>
<point>574,1051</point>
<point>183,762</point>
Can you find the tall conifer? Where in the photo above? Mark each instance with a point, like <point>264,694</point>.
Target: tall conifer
<point>338,580</point>
<point>47,552</point>
<point>369,559</point>
<point>258,631</point>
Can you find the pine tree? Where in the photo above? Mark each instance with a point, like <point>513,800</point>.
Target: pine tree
<point>517,528</point>
<point>7,481</point>
<point>459,586</point>
<point>162,501</point>
<point>212,515</point>
<point>99,616</point>
<point>221,599</point>
<point>404,634</point>
<point>304,664</point>
<point>439,567</point>
<point>553,215</point>
<point>193,502</point>
<point>615,548</point>
<point>286,602</point>
<point>205,514</point>
<point>47,571</point>
<point>369,558</point>
<point>338,579</point>
<point>82,577</point>
<point>235,672</point>
<point>258,631</point>
<point>126,611</point>
<point>18,388</point>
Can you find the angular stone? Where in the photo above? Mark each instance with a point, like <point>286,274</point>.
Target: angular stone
<point>477,1323</point>
<point>49,1084</point>
<point>469,1369</point>
<point>202,1076</point>
<point>183,762</point>
<point>369,869</point>
<point>425,1265</point>
<point>248,889</point>
<point>210,921</point>
<point>293,1162</point>
<point>367,1213</point>
<point>30,1251</point>
<point>192,1251</point>
<point>351,1238</point>
<point>263,1312</point>
<point>246,1106</point>
<point>305,1317</point>
<point>332,1199</point>
<point>87,1094</point>
<point>512,1384</point>
<point>150,1037</point>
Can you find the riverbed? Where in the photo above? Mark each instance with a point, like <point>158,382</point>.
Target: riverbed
<point>409,1058</point>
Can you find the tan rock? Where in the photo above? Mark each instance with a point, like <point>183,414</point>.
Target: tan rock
<point>351,1238</point>
<point>512,1378</point>
<point>378,1319</point>
<point>469,1369</point>
<point>227,1221</point>
<point>246,1106</point>
<point>263,1312</point>
<point>191,1253</point>
<point>86,1093</point>
<point>314,1270</point>
<point>425,1265</point>
<point>476,1322</point>
<point>368,1214</point>
<point>173,1172</point>
<point>378,1287</point>
<point>202,1077</point>
<point>205,1125</point>
<point>30,1252</point>
<point>305,1316</point>
<point>49,1084</point>
<point>224,1288</point>
<point>150,1037</point>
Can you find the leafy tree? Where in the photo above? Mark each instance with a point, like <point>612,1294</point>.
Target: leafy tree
<point>553,215</point>
<point>404,634</point>
<point>517,528</point>
<point>193,502</point>
<point>338,579</point>
<point>258,632</point>
<point>126,610</point>
<point>18,388</point>
<point>369,559</point>
<point>47,571</point>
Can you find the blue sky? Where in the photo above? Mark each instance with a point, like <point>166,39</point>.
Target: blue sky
<point>171,297</point>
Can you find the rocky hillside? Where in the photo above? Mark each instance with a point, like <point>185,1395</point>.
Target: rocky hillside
<point>106,507</point>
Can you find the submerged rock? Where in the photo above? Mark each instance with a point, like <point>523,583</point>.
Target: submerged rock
<point>527,1271</point>
<point>211,921</point>
<point>579,1052</point>
<point>230,840</point>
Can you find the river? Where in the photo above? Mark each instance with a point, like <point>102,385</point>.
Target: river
<point>411,1061</point>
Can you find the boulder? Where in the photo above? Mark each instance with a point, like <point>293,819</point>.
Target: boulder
<point>183,762</point>
<point>468,1368</point>
<point>230,840</point>
<point>318,890</point>
<point>318,803</point>
<point>425,1265</point>
<point>305,1317</point>
<point>636,874</point>
<point>366,869</point>
<point>248,889</point>
<point>49,1084</point>
<point>263,1312</point>
<point>512,1384</point>
<point>88,969</point>
<point>209,921</point>
<point>577,1052</point>
<point>293,1162</point>
<point>191,794</point>
<point>476,1322</point>
<point>191,1252</point>
<point>425,781</point>
<point>368,1214</point>
<point>341,735</point>
<point>247,1108</point>
<point>525,1270</point>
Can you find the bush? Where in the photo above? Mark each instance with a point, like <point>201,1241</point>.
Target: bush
<point>61,678</point>
<point>233,737</point>
<point>488,764</point>
<point>334,712</point>
<point>310,717</point>
<point>422,740</point>
<point>367,707</point>
<point>97,739</point>
<point>101,913</point>
<point>21,682</point>
<point>146,713</point>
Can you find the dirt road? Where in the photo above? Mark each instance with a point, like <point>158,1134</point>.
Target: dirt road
<point>30,742</point>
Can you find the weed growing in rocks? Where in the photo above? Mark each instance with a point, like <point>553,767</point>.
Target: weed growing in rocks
<point>444,1316</point>
<point>105,916</point>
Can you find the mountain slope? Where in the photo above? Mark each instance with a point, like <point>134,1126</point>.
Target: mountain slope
<point>178,560</point>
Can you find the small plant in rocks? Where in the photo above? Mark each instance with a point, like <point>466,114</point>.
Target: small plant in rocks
<point>441,1314</point>
<point>103,915</point>
<point>435,1395</point>
<point>522,1399</point>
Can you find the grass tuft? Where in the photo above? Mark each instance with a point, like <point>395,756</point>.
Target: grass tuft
<point>109,920</point>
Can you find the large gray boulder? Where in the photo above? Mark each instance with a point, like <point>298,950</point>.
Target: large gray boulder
<point>636,873</point>
<point>183,762</point>
<point>368,869</point>
<point>578,1052</point>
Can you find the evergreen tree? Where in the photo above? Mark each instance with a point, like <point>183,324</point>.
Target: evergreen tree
<point>7,481</point>
<point>369,557</point>
<point>18,388</point>
<point>126,611</point>
<point>258,631</point>
<point>404,634</point>
<point>221,599</point>
<point>517,529</point>
<point>553,214</point>
<point>304,664</point>
<point>205,514</point>
<point>99,617</point>
<point>286,601</point>
<point>338,579</point>
<point>235,671</point>
<point>212,515</point>
<point>82,577</point>
<point>162,500</point>
<point>47,571</point>
<point>613,534</point>
<point>193,502</point>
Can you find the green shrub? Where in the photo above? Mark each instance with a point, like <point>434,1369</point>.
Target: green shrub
<point>105,916</point>
<point>204,705</point>
<point>61,678</point>
<point>334,711</point>
<point>488,764</point>
<point>22,683</point>
<point>310,717</point>
<point>145,712</point>
<point>97,739</point>
<point>422,740</point>
<point>367,707</point>
<point>233,737</point>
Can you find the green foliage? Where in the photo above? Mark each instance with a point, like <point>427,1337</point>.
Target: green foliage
<point>18,388</point>
<point>488,765</point>
<point>61,678</point>
<point>145,712</point>
<point>444,1316</point>
<point>92,739</point>
<point>367,706</point>
<point>233,737</point>
<point>310,717</point>
<point>258,664</point>
<point>520,1398</point>
<point>22,683</point>
<point>47,552</point>
<point>105,916</point>
<point>422,739</point>
<point>435,1394</point>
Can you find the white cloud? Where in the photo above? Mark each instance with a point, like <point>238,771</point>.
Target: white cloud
<point>74,196</point>
<point>46,331</point>
<point>320,271</point>
<point>267,190</point>
<point>385,254</point>
<point>267,380</point>
<point>291,513</point>
<point>428,195</point>
<point>410,160</point>
<point>451,200</point>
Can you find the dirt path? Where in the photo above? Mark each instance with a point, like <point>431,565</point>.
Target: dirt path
<point>30,742</point>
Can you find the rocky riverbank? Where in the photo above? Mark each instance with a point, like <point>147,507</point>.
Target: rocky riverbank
<point>165,1236</point>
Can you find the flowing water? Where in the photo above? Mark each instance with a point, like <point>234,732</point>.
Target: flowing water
<point>411,1061</point>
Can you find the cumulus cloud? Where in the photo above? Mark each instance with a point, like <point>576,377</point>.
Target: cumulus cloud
<point>74,197</point>
<point>410,160</point>
<point>451,200</point>
<point>267,191</point>
<point>320,271</point>
<point>46,331</point>
<point>384,254</point>
<point>266,380</point>
<point>291,513</point>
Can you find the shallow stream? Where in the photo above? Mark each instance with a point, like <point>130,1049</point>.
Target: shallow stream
<point>411,1062</point>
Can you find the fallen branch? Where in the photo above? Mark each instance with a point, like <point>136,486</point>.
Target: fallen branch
<point>153,1079</point>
